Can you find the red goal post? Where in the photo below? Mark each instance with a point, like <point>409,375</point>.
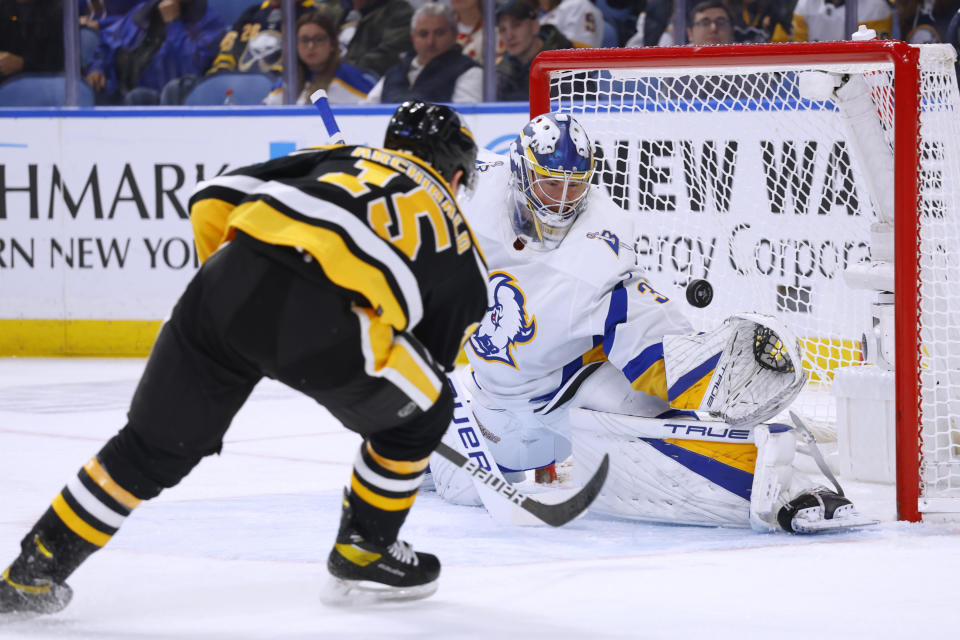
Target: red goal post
<point>652,116</point>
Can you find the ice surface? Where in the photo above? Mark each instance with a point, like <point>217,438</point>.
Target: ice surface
<point>238,549</point>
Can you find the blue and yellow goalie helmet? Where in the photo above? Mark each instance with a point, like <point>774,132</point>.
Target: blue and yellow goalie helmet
<point>552,165</point>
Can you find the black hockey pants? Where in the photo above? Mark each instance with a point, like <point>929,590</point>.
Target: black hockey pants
<point>246,315</point>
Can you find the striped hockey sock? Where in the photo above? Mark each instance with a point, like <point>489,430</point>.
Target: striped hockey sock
<point>82,518</point>
<point>382,491</point>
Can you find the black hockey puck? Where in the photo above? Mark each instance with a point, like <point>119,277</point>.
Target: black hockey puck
<point>699,293</point>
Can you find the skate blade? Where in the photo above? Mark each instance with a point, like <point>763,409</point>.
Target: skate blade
<point>833,525</point>
<point>18,616</point>
<point>347,593</point>
<point>28,610</point>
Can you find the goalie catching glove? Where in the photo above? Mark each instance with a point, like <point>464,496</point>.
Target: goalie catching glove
<point>744,372</point>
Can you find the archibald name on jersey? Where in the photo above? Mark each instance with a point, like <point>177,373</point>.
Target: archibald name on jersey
<point>441,196</point>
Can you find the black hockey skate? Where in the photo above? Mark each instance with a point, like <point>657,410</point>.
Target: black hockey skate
<point>820,510</point>
<point>363,570</point>
<point>24,595</point>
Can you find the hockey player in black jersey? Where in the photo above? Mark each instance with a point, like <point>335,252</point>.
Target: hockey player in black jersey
<point>345,272</point>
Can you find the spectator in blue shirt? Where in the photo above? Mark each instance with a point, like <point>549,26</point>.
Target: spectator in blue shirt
<point>156,46</point>
<point>100,14</point>
<point>94,16</point>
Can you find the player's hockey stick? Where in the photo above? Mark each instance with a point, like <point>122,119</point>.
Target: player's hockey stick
<point>470,442</point>
<point>553,514</point>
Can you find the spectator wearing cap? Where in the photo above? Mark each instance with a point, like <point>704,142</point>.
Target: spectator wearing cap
<point>31,36</point>
<point>523,38</point>
<point>437,71</point>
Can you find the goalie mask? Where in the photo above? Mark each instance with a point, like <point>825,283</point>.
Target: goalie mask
<point>552,164</point>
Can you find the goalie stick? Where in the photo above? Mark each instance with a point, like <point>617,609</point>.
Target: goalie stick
<point>552,514</point>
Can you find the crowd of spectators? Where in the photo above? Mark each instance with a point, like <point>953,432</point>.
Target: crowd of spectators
<point>138,52</point>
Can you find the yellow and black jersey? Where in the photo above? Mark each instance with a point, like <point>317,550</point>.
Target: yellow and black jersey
<point>381,224</point>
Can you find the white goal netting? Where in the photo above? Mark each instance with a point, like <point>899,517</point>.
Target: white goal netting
<point>778,183</point>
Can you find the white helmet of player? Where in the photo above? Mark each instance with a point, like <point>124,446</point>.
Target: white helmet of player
<point>552,165</point>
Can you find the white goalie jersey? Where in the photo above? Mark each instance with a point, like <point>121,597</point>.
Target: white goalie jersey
<point>553,314</point>
<point>577,330</point>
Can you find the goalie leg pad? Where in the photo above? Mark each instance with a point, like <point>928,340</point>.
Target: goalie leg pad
<point>776,449</point>
<point>648,483</point>
<point>449,481</point>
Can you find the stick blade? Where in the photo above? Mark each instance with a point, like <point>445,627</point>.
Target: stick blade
<point>557,515</point>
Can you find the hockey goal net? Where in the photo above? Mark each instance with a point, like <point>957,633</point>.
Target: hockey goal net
<point>818,182</point>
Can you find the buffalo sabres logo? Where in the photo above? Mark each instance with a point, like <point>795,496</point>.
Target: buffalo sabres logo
<point>505,324</point>
<point>610,238</point>
<point>484,166</point>
<point>262,53</point>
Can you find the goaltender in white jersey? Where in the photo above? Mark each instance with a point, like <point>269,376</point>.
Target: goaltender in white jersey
<point>573,324</point>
